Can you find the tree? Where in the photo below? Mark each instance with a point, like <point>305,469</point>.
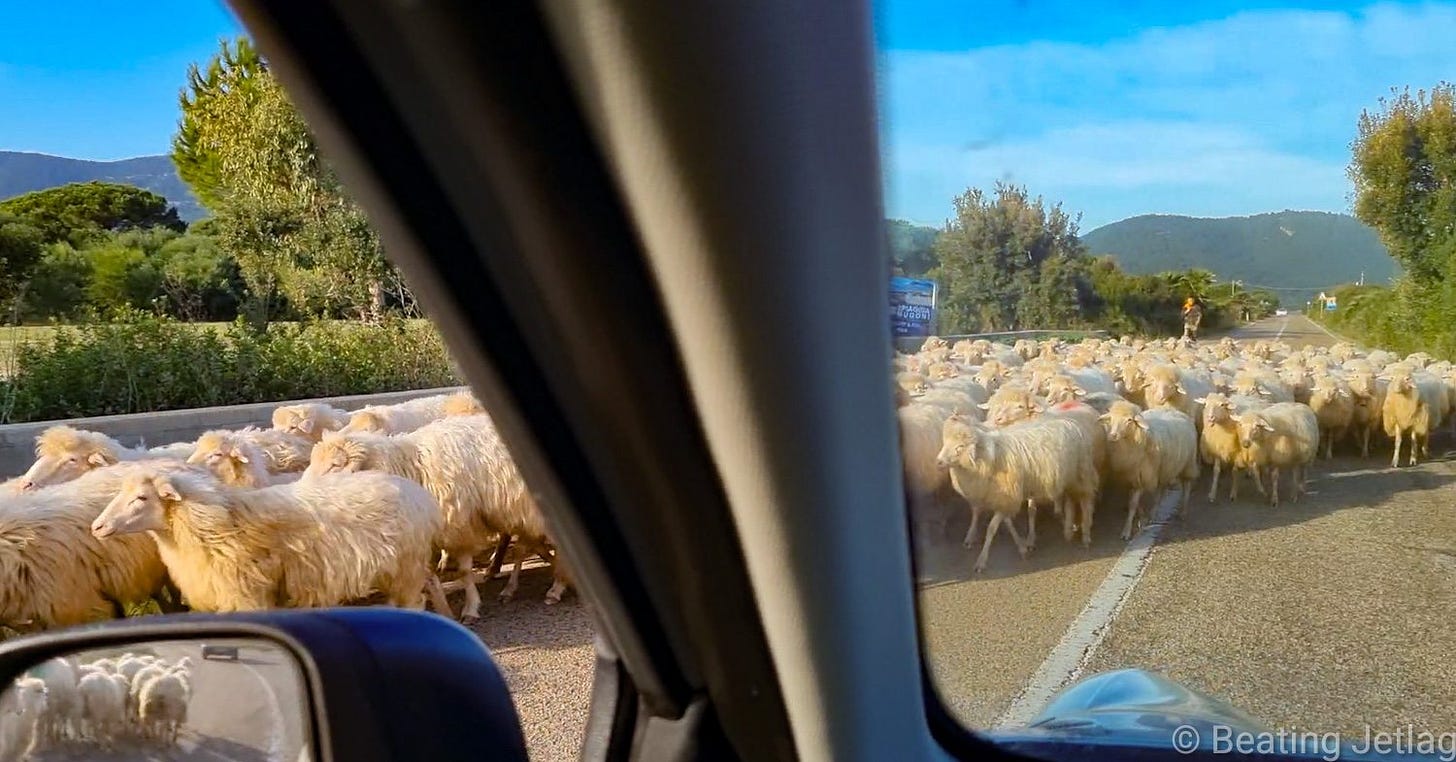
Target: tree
<point>1404,171</point>
<point>21,246</point>
<point>991,256</point>
<point>247,153</point>
<point>57,287</point>
<point>200,280</point>
<point>80,212</point>
<point>912,247</point>
<point>121,276</point>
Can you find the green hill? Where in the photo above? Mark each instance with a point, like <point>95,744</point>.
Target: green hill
<point>26,172</point>
<point>1296,253</point>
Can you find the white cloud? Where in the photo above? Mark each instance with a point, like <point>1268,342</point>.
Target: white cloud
<point>1250,113</point>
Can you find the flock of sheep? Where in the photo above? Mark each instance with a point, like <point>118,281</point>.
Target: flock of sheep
<point>134,699</point>
<point>1013,427</point>
<point>326,508</point>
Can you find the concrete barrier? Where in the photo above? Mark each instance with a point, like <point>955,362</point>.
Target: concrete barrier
<point>17,440</point>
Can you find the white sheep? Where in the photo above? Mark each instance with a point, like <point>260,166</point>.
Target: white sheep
<point>283,452</point>
<point>309,419</point>
<point>70,576</point>
<point>1368,393</point>
<point>103,708</point>
<point>1218,440</point>
<point>1166,384</point>
<point>462,403</point>
<point>23,721</point>
<point>920,435</point>
<point>239,462</point>
<point>1283,435</point>
<point>399,418</point>
<point>1149,452</point>
<point>64,453</point>
<point>322,542</point>
<point>464,463</point>
<point>1412,408</point>
<point>1003,470</point>
<point>1334,408</point>
<point>162,706</point>
<point>63,703</point>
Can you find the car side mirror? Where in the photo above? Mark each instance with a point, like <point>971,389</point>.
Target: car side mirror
<point>350,684</point>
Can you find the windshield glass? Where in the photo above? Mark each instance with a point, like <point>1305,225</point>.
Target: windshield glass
<point>193,311</point>
<point>1171,304</point>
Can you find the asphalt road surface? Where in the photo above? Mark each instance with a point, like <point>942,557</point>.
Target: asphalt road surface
<point>1331,615</point>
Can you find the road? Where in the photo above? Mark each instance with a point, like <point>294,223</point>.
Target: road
<point>1332,614</point>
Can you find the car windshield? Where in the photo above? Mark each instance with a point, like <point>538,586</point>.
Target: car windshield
<point>193,310</point>
<point>1170,298</point>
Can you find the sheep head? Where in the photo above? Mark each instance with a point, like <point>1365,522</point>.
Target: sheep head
<point>140,506</point>
<point>338,453</point>
<point>63,453</point>
<point>1253,428</point>
<point>1123,421</point>
<point>961,441</point>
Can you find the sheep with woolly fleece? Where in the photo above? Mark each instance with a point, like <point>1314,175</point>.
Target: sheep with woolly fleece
<point>464,463</point>
<point>913,382</point>
<point>1167,384</point>
<point>238,462</point>
<point>991,375</point>
<point>45,538</point>
<point>966,385</point>
<point>1282,435</point>
<point>103,708</point>
<point>932,343</point>
<point>463,403</point>
<point>23,718</point>
<point>920,435</point>
<point>315,543</point>
<point>400,418</point>
<point>162,706</point>
<point>64,453</point>
<point>309,419</point>
<point>1218,440</point>
<point>1266,384</point>
<point>1005,470</point>
<point>941,371</point>
<point>63,703</point>
<point>1411,409</point>
<point>967,351</point>
<point>282,452</point>
<point>1368,395</point>
<point>949,401</point>
<point>1149,452</point>
<point>1010,404</point>
<point>1334,409</point>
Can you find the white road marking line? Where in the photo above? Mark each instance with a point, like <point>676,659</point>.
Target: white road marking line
<point>1071,655</point>
<point>1281,329</point>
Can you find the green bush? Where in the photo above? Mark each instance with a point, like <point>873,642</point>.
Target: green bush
<point>143,363</point>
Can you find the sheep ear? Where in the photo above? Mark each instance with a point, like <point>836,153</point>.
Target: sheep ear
<point>1201,401</point>
<point>1142,424</point>
<point>984,406</point>
<point>239,455</point>
<point>1263,392</point>
<point>1079,392</point>
<point>166,490</point>
<point>1105,417</point>
<point>306,425</point>
<point>1265,426</point>
<point>1181,390</point>
<point>97,459</point>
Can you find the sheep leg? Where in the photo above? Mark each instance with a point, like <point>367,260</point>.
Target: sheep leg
<point>1233,483</point>
<point>1274,486</point>
<point>995,523</point>
<point>498,557</point>
<point>509,591</point>
<point>1258,480</point>
<point>1132,509</point>
<point>1213,485</point>
<point>1330,446</point>
<point>1365,442</point>
<point>1416,446</point>
<point>1183,502</point>
<point>1395,457</point>
<point>1068,523</point>
<point>470,611</point>
<point>436,592</point>
<point>1088,505</point>
<point>1021,546</point>
<point>971,533</point>
<point>1031,524</point>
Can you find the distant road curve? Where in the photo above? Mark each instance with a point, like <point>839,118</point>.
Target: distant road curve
<point>1296,329</point>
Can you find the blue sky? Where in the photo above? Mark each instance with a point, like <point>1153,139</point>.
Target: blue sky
<point>1113,107</point>
<point>1123,108</point>
<point>99,80</point>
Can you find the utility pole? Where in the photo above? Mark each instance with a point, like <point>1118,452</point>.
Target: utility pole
<point>1362,277</point>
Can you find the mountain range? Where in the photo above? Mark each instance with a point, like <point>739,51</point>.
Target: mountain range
<point>25,172</point>
<point>1297,254</point>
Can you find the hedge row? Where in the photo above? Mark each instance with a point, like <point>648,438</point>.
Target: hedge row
<point>143,363</point>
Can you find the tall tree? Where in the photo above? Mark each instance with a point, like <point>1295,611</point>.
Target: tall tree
<point>82,211</point>
<point>991,256</point>
<point>21,246</point>
<point>1404,171</point>
<point>247,153</point>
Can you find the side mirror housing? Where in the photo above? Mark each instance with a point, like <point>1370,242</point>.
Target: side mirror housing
<point>373,683</point>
